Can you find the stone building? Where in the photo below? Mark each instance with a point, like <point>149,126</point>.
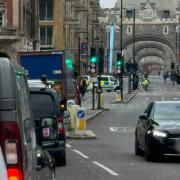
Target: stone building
<point>51,24</point>
<point>156,41</point>
<point>18,25</point>
<point>81,26</point>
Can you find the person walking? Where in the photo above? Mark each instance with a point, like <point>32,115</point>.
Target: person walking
<point>82,88</point>
<point>165,76</point>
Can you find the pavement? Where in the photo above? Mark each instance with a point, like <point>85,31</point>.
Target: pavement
<point>91,114</point>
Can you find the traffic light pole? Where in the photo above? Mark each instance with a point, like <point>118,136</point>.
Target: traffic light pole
<point>121,49</point>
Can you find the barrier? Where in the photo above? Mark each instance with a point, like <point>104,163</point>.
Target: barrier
<point>118,96</point>
<point>81,119</point>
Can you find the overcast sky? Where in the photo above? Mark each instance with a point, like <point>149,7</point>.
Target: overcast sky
<point>107,3</point>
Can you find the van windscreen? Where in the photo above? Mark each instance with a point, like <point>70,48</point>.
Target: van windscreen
<point>42,105</point>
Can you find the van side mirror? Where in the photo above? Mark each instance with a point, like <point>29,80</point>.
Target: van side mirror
<point>40,160</point>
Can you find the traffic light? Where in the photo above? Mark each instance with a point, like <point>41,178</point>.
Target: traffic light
<point>93,60</point>
<point>101,60</point>
<point>69,64</point>
<point>120,64</point>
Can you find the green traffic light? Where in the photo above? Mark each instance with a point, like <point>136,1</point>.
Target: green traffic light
<point>94,59</point>
<point>69,63</point>
<point>119,62</point>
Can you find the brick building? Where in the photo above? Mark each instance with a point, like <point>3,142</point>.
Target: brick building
<point>18,26</point>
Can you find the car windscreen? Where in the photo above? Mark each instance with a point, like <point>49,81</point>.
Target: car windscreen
<point>167,111</point>
<point>104,78</point>
<point>42,105</point>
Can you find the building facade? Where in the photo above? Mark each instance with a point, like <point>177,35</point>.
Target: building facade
<point>82,30</point>
<point>155,41</point>
<point>18,24</point>
<point>51,24</point>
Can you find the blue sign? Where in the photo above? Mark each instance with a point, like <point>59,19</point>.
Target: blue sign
<point>80,114</point>
<point>106,83</point>
<point>84,46</point>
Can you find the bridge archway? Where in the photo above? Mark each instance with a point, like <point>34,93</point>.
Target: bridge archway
<point>158,42</point>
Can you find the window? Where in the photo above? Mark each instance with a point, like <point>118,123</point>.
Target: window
<point>1,19</point>
<point>46,10</point>
<point>43,105</point>
<point>46,34</point>
<point>129,14</point>
<point>129,29</point>
<point>165,30</point>
<point>166,14</point>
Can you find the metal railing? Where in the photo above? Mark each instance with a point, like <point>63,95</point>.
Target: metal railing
<point>8,33</point>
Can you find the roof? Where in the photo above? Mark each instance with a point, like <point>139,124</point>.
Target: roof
<point>167,102</point>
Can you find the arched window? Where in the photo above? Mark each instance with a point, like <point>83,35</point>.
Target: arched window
<point>165,30</point>
<point>129,29</point>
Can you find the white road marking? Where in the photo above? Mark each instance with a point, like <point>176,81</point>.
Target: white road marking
<point>68,145</point>
<point>105,168</point>
<point>162,98</point>
<point>122,129</point>
<point>81,154</point>
<point>176,98</point>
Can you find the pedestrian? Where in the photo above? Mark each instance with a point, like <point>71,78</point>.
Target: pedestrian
<point>173,77</point>
<point>165,76</point>
<point>82,87</point>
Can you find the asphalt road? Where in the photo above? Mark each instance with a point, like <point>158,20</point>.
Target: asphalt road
<point>111,155</point>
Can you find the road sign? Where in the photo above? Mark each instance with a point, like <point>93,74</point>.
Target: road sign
<point>93,79</point>
<point>84,46</point>
<point>81,114</point>
<point>70,103</point>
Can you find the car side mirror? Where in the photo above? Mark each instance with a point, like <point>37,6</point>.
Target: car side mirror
<point>66,114</point>
<point>143,117</point>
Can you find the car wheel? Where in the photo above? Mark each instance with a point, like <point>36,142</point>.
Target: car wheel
<point>62,160</point>
<point>138,151</point>
<point>149,156</point>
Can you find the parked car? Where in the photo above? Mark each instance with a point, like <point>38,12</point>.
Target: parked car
<point>3,170</point>
<point>17,133</point>
<point>49,123</point>
<point>158,130</point>
<point>107,82</point>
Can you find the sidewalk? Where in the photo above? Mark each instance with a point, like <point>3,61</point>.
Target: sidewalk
<point>90,114</point>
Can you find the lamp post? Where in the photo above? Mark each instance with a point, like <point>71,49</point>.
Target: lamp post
<point>178,47</point>
<point>121,50</point>
<point>135,76</point>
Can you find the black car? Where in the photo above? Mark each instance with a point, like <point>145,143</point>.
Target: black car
<point>50,132</point>
<point>158,130</point>
<point>17,130</point>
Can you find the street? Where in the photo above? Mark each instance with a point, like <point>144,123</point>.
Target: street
<point>111,156</point>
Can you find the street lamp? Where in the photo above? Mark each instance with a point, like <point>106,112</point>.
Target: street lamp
<point>177,46</point>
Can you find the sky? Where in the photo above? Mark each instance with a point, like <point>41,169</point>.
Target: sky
<point>107,3</point>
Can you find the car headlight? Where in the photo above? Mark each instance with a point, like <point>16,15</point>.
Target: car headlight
<point>159,134</point>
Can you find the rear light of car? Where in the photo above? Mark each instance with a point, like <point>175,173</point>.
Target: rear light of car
<point>11,145</point>
<point>61,130</point>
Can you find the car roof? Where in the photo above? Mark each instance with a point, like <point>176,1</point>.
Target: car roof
<point>167,102</point>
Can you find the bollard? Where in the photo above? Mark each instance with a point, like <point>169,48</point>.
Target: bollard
<point>118,96</point>
<point>81,119</point>
<point>102,100</point>
<point>73,111</point>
